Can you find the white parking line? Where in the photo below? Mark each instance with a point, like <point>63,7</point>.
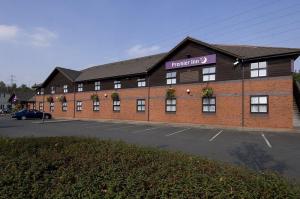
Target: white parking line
<point>120,127</point>
<point>178,132</point>
<point>140,131</point>
<point>266,140</point>
<point>211,139</point>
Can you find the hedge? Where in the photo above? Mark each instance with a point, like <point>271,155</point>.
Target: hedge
<point>90,168</point>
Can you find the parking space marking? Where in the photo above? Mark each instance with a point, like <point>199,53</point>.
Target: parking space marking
<point>101,125</point>
<point>120,127</point>
<point>140,131</point>
<point>176,132</point>
<point>266,140</point>
<point>211,139</point>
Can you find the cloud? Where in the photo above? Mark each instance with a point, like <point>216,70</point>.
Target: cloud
<point>139,50</point>
<point>8,33</point>
<point>37,37</point>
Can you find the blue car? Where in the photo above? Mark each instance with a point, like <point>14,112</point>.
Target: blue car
<point>30,114</point>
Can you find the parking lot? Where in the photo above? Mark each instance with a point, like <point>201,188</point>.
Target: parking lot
<point>276,151</point>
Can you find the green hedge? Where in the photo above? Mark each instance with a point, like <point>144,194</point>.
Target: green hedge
<point>90,168</point>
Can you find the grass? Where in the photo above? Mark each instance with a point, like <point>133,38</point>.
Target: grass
<point>90,168</point>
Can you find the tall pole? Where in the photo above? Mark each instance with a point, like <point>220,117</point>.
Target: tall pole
<point>43,119</point>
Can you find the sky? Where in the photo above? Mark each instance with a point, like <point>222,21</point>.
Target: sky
<point>36,36</point>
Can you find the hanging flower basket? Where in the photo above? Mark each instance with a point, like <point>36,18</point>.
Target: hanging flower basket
<point>207,92</point>
<point>170,93</point>
<point>49,99</point>
<point>94,97</point>
<point>62,99</point>
<point>115,96</point>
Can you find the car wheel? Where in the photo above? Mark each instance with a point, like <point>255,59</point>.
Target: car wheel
<point>46,117</point>
<point>23,118</point>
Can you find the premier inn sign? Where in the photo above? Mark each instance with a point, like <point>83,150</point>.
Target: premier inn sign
<point>195,61</point>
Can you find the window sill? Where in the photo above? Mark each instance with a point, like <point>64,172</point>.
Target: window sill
<point>170,112</point>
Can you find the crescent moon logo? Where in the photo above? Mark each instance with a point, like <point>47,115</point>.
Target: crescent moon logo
<point>204,60</point>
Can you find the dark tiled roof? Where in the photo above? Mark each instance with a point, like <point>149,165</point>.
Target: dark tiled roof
<point>248,52</point>
<point>122,68</point>
<point>71,74</point>
<point>24,96</point>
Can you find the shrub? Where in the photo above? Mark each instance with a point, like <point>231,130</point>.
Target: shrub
<point>170,93</point>
<point>49,99</point>
<point>90,168</point>
<point>296,76</point>
<point>115,96</point>
<point>207,92</point>
<point>94,97</point>
<point>62,98</point>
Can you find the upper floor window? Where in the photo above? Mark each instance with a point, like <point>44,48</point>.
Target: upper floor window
<point>65,88</point>
<point>141,82</point>
<point>97,86</point>
<point>52,88</point>
<point>209,74</point>
<point>258,69</point>
<point>209,104</point>
<point>171,78</point>
<point>42,91</point>
<point>259,104</point>
<point>80,87</point>
<point>117,84</point>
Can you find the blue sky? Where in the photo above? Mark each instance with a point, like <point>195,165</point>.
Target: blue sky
<point>36,36</point>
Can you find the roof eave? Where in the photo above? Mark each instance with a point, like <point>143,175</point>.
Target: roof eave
<point>272,56</point>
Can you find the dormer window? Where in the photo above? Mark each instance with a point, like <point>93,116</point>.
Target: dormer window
<point>65,88</point>
<point>80,87</point>
<point>97,86</point>
<point>117,84</point>
<point>258,69</point>
<point>52,88</point>
<point>141,82</point>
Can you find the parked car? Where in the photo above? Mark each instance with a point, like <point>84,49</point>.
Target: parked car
<point>31,114</point>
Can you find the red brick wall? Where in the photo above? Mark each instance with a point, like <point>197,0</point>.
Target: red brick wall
<point>189,106</point>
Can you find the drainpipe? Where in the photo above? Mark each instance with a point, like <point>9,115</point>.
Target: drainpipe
<point>43,105</point>
<point>243,94</point>
<point>148,99</point>
<point>74,103</point>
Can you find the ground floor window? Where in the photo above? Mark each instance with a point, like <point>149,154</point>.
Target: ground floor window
<point>140,105</point>
<point>209,104</point>
<point>52,107</point>
<point>79,106</point>
<point>171,105</point>
<point>96,105</point>
<point>116,105</point>
<point>41,106</point>
<point>259,104</point>
<point>64,106</point>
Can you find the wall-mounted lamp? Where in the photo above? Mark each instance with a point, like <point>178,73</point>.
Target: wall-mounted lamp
<point>236,62</point>
<point>105,95</point>
<point>188,91</point>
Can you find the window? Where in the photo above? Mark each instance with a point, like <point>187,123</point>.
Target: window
<point>141,82</point>
<point>171,78</point>
<point>80,87</point>
<point>65,88</point>
<point>209,74</point>
<point>140,105</point>
<point>41,106</point>
<point>209,104</point>
<point>259,104</point>
<point>51,106</point>
<point>171,105</point>
<point>97,86</point>
<point>117,84</point>
<point>116,105</point>
<point>64,106</point>
<point>52,88</point>
<point>96,105</point>
<point>258,69</point>
<point>42,91</point>
<point>79,106</point>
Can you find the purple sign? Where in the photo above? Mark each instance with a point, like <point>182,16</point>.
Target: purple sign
<point>195,61</point>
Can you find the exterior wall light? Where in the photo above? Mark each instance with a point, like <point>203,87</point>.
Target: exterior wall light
<point>188,91</point>
<point>105,95</point>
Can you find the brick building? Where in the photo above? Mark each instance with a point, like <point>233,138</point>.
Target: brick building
<point>195,82</point>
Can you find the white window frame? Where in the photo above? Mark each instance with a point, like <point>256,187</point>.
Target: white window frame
<point>209,74</point>
<point>258,69</point>
<point>259,104</point>
<point>41,106</point>
<point>117,84</point>
<point>97,86</point>
<point>141,82</point>
<point>42,91</point>
<point>80,87</point>
<point>51,106</point>
<point>96,105</point>
<point>171,78</point>
<point>116,105</point>
<point>171,105</point>
<point>52,88</point>
<point>65,87</point>
<point>64,106</point>
<point>209,105</point>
